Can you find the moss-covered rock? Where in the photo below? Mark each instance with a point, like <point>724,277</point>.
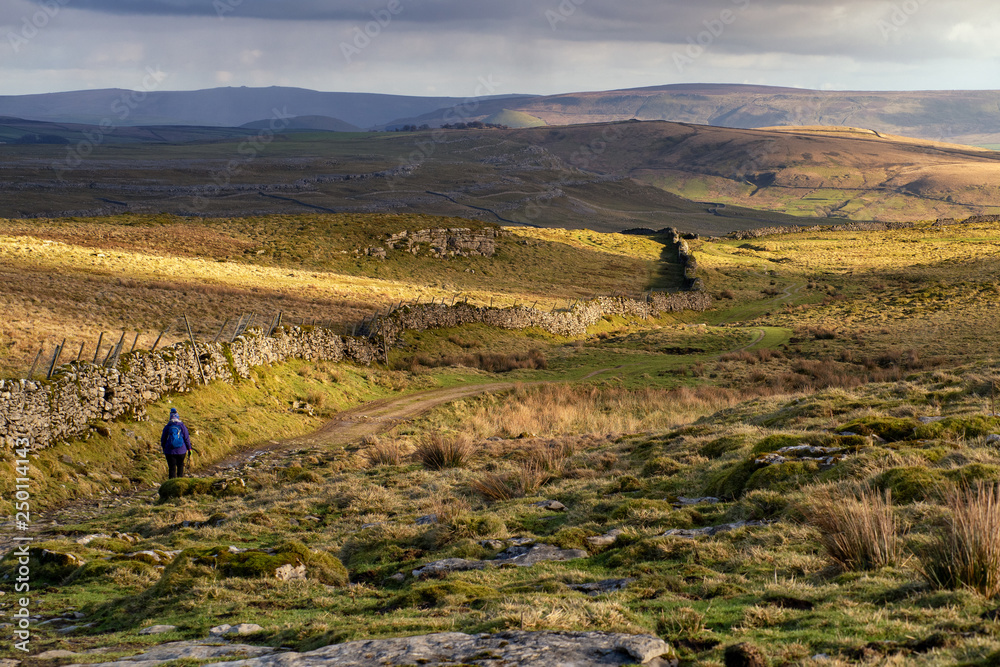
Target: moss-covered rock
<point>890,429</point>
<point>974,472</point>
<point>49,563</point>
<point>571,538</point>
<point>201,486</point>
<point>783,476</point>
<point>720,446</point>
<point>970,426</point>
<point>660,466</point>
<point>729,482</point>
<point>450,593</point>
<point>911,484</point>
<point>624,484</point>
<point>259,563</point>
<point>773,443</point>
<point>185,486</point>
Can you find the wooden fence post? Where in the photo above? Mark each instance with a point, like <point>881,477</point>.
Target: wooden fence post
<point>112,350</point>
<point>97,352</point>
<point>34,363</point>
<point>55,359</point>
<point>194,348</point>
<point>80,353</point>
<point>134,343</point>
<point>219,335</point>
<point>158,340</point>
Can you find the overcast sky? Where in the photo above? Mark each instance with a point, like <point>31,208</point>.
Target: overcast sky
<point>448,47</point>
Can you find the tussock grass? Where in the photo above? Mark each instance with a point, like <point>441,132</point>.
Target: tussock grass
<point>438,452</point>
<point>487,361</point>
<point>567,409</point>
<point>859,532</point>
<point>385,452</point>
<point>967,551</point>
<point>529,477</point>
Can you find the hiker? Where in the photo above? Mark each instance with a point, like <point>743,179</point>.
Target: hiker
<point>176,443</point>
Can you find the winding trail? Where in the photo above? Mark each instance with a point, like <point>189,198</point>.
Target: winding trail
<point>365,420</point>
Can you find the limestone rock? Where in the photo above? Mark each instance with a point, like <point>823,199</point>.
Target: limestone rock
<point>540,553</point>
<point>993,439</point>
<point>57,653</point>
<point>290,572</point>
<point>226,629</point>
<point>427,520</point>
<point>551,505</point>
<point>157,629</point>
<point>602,587</point>
<point>605,540</point>
<point>504,649</point>
<point>186,650</point>
<point>709,531</point>
<point>448,565</point>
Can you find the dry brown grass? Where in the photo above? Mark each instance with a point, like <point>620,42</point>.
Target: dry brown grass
<point>565,409</point>
<point>486,361</point>
<point>967,551</point>
<point>860,532</point>
<point>385,452</point>
<point>437,452</point>
<point>529,477</point>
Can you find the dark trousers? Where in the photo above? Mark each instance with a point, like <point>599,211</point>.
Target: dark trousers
<point>175,464</point>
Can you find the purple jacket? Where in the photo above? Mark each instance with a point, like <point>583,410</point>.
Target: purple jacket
<point>167,449</point>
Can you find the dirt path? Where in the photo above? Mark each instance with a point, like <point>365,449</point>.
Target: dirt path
<point>346,427</point>
<point>761,334</point>
<point>354,424</point>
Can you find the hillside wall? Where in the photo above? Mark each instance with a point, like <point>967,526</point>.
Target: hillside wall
<point>80,393</point>
<point>56,410</point>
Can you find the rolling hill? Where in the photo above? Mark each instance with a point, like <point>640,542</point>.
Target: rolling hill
<point>956,116</point>
<point>321,123</point>
<point>606,177</point>
<point>227,107</point>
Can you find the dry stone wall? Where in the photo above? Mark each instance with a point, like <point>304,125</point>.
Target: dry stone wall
<point>572,322</point>
<point>81,393</point>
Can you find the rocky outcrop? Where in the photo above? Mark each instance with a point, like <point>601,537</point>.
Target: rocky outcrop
<point>456,242</point>
<point>506,649</point>
<point>187,650</point>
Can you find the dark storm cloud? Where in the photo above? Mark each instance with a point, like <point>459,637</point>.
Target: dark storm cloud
<point>853,28</point>
<point>544,46</point>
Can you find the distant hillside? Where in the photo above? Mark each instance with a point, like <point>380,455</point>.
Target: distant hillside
<point>969,117</point>
<point>825,172</point>
<point>956,116</point>
<point>20,132</point>
<point>604,177</point>
<point>514,119</point>
<point>323,123</point>
<point>223,107</point>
